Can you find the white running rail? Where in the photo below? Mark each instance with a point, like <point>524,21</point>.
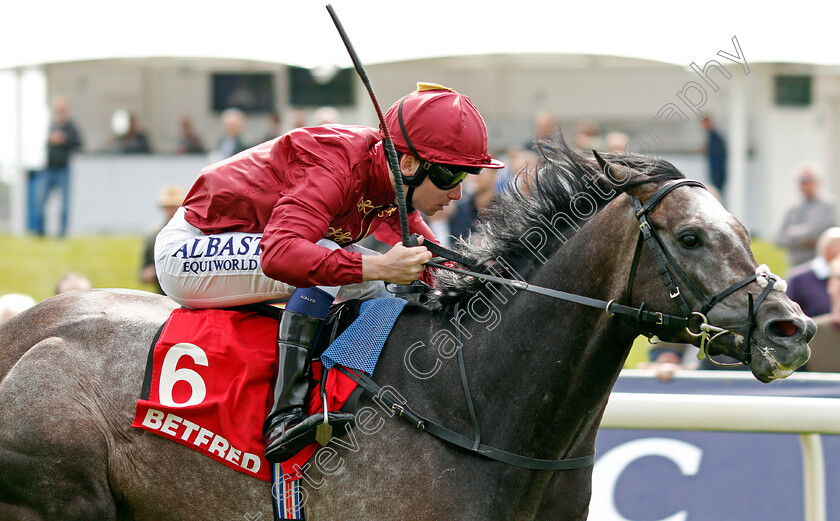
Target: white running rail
<point>808,417</point>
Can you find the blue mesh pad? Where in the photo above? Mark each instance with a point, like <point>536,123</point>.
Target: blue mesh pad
<point>358,347</point>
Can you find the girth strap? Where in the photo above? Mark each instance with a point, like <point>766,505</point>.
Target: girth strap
<point>424,424</point>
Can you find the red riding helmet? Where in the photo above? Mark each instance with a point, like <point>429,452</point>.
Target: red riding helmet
<point>440,126</point>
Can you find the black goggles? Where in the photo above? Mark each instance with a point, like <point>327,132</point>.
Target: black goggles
<point>447,177</point>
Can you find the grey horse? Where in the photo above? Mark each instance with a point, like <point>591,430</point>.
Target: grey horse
<point>540,370</point>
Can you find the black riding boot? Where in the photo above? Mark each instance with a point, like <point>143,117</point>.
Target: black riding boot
<point>287,428</point>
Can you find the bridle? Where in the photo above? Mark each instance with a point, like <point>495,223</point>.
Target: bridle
<point>666,264</point>
<point>695,322</point>
<point>645,321</point>
<point>643,317</point>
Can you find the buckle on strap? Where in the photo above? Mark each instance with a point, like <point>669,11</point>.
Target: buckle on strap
<point>401,411</point>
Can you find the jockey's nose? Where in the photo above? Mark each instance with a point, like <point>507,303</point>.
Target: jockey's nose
<point>455,193</point>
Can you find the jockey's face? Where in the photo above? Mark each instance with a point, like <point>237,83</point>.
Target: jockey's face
<point>427,197</point>
<point>430,199</point>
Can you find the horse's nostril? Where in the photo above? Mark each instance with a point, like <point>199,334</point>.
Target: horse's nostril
<point>783,328</point>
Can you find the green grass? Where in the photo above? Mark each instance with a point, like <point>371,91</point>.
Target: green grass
<point>768,253</point>
<point>33,265</point>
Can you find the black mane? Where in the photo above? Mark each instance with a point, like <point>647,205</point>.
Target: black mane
<point>536,197</point>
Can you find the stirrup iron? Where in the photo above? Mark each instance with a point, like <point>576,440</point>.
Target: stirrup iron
<point>323,433</point>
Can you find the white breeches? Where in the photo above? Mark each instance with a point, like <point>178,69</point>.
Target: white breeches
<point>224,270</point>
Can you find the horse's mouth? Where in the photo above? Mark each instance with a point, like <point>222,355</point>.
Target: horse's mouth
<point>778,345</point>
<point>766,365</point>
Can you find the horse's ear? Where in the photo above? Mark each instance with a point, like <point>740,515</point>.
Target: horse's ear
<point>602,163</point>
<point>613,175</point>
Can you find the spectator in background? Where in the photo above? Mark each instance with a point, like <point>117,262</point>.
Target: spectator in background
<point>825,346</point>
<point>804,223</point>
<point>587,137</point>
<point>544,127</point>
<point>233,123</point>
<point>131,140</point>
<point>63,140</point>
<point>524,166</point>
<point>715,151</point>
<point>665,358</point>
<point>808,283</point>
<point>188,141</point>
<point>617,142</point>
<point>13,303</point>
<point>298,118</point>
<point>478,192</point>
<point>274,127</point>
<point>325,116</point>
<point>506,174</point>
<point>72,281</point>
<point>170,199</point>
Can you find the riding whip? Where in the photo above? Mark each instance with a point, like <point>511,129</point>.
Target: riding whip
<point>390,151</point>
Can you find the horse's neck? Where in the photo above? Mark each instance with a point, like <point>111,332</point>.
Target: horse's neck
<point>547,367</point>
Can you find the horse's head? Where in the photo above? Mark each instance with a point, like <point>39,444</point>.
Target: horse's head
<point>701,254</point>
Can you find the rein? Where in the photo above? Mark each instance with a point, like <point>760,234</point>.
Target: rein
<point>665,263</point>
<point>643,318</point>
<point>475,446</point>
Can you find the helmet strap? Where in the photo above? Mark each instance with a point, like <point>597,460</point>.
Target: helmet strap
<point>418,177</point>
<point>409,194</point>
<point>405,132</point>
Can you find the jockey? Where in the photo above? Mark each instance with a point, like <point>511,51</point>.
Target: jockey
<point>280,220</point>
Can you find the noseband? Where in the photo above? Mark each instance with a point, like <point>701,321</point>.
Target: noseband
<point>666,265</point>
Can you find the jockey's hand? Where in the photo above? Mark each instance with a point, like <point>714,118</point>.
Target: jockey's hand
<point>399,265</point>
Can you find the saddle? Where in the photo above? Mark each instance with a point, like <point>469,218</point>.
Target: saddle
<point>209,377</point>
<point>243,345</point>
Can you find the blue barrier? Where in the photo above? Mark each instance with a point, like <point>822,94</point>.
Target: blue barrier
<point>677,475</point>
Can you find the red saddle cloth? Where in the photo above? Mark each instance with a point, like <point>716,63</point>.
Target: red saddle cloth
<point>208,386</point>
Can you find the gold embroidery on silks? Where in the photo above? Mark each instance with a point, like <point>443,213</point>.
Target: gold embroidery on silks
<point>387,212</point>
<point>338,235</point>
<point>365,206</point>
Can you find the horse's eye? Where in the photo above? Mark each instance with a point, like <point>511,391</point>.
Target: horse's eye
<point>690,241</point>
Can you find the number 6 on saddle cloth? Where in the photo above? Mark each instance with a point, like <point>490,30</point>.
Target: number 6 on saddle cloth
<point>209,374</point>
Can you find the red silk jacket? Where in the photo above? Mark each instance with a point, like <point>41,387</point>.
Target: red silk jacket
<point>311,183</point>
